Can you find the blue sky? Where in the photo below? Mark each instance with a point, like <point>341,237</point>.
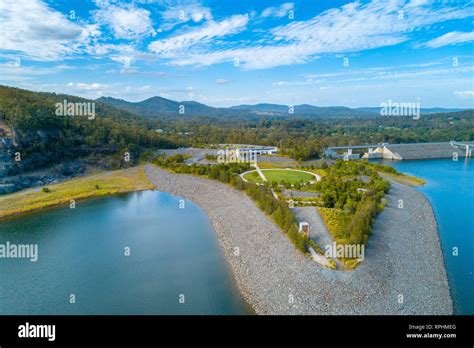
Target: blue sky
<point>229,52</point>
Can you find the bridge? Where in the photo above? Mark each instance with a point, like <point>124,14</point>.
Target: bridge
<point>403,151</point>
<point>467,146</point>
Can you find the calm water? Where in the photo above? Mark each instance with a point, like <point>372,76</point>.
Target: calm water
<point>173,251</point>
<point>450,189</point>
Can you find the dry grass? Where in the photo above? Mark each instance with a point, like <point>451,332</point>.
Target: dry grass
<point>336,221</point>
<point>404,179</point>
<point>5,131</point>
<point>107,183</point>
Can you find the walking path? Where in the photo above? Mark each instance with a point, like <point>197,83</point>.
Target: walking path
<point>259,172</point>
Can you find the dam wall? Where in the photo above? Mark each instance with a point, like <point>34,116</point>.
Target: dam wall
<point>424,151</point>
<point>403,151</point>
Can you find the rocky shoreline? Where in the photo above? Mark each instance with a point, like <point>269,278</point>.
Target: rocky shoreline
<point>403,272</point>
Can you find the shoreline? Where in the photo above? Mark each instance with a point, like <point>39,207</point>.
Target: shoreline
<point>274,278</point>
<point>78,189</point>
<point>443,258</point>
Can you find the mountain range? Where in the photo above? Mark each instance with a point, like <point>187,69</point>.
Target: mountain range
<point>156,107</point>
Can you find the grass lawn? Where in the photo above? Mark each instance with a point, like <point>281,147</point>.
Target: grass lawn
<point>253,177</point>
<point>290,176</point>
<point>108,183</point>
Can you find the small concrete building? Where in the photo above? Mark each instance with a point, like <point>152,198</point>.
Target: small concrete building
<point>304,227</point>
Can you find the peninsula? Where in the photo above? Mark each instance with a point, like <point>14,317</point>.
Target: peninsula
<point>403,272</point>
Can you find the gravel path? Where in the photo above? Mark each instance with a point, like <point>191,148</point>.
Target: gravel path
<point>403,258</point>
<point>317,230</point>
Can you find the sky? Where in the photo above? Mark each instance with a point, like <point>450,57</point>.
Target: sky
<point>229,52</point>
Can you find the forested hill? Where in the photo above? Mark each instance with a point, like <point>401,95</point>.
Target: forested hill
<point>157,107</point>
<point>162,108</point>
<point>44,138</point>
<point>303,111</point>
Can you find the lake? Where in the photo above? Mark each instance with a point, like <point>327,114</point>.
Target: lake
<point>175,255</point>
<point>138,253</point>
<point>450,189</point>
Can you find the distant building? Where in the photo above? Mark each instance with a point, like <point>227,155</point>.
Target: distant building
<point>244,152</point>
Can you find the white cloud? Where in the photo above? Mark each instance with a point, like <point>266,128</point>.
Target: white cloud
<point>451,38</point>
<point>30,28</point>
<point>257,57</point>
<point>465,94</point>
<point>200,35</point>
<point>87,86</point>
<point>124,54</point>
<point>306,82</point>
<point>126,21</point>
<point>16,71</point>
<point>279,11</point>
<point>351,28</point>
<point>427,73</point>
<point>223,81</point>
<point>396,73</point>
<point>434,73</point>
<point>380,70</point>
<point>82,89</point>
<point>187,12</point>
<point>94,90</point>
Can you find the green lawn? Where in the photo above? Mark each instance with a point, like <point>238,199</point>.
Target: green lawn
<point>289,176</point>
<point>253,177</point>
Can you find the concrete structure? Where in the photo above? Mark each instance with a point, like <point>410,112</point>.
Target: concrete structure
<point>244,152</point>
<point>466,145</point>
<point>304,227</point>
<point>406,151</point>
<point>382,152</point>
<point>332,152</point>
